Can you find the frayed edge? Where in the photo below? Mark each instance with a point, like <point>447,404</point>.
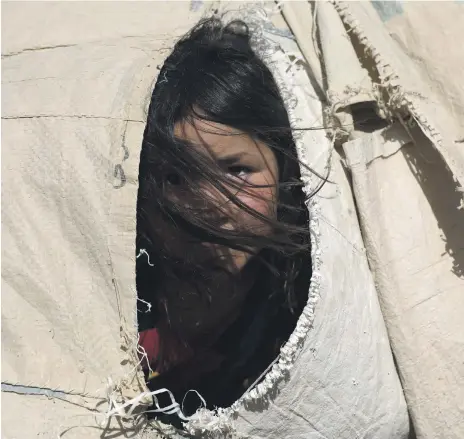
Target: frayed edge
<point>399,100</point>
<point>218,423</point>
<point>127,410</point>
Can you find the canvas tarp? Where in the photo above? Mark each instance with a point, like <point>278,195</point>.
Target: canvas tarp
<point>75,80</point>
<point>407,182</point>
<point>72,119</point>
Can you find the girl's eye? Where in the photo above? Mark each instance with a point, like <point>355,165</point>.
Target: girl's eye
<point>241,172</point>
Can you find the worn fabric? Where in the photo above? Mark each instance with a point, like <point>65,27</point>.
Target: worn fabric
<point>415,240</point>
<point>407,181</point>
<point>75,81</point>
<point>73,115</point>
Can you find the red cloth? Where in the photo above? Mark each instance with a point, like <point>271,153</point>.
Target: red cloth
<point>162,357</point>
<point>150,341</point>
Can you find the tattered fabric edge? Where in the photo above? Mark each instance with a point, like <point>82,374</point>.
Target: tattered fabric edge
<point>218,423</point>
<point>399,97</point>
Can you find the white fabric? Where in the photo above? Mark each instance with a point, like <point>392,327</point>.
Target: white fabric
<point>73,115</point>
<point>413,234</point>
<point>73,121</point>
<point>408,186</point>
<point>410,201</point>
<point>423,87</point>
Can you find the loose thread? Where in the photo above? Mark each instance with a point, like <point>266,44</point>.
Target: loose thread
<point>144,252</point>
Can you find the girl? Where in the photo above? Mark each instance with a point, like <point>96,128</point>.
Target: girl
<point>221,213</point>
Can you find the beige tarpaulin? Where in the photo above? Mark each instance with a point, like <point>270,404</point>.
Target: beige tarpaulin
<point>75,78</point>
<point>407,182</point>
<point>75,81</point>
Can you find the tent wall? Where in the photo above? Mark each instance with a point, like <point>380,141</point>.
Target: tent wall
<point>74,107</point>
<point>407,180</point>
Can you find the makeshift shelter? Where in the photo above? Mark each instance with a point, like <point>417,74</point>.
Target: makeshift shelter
<point>384,78</point>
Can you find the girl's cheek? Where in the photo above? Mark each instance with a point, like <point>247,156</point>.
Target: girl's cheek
<point>263,203</point>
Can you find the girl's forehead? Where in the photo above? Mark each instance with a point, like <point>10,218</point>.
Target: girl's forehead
<point>220,140</point>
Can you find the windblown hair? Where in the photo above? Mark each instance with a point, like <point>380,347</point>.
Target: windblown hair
<point>213,75</point>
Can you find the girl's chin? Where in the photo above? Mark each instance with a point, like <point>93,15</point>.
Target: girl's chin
<point>240,259</point>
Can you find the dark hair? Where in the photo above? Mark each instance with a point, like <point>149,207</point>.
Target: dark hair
<point>214,75</point>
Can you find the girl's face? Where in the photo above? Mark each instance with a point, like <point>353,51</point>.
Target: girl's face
<point>252,170</point>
